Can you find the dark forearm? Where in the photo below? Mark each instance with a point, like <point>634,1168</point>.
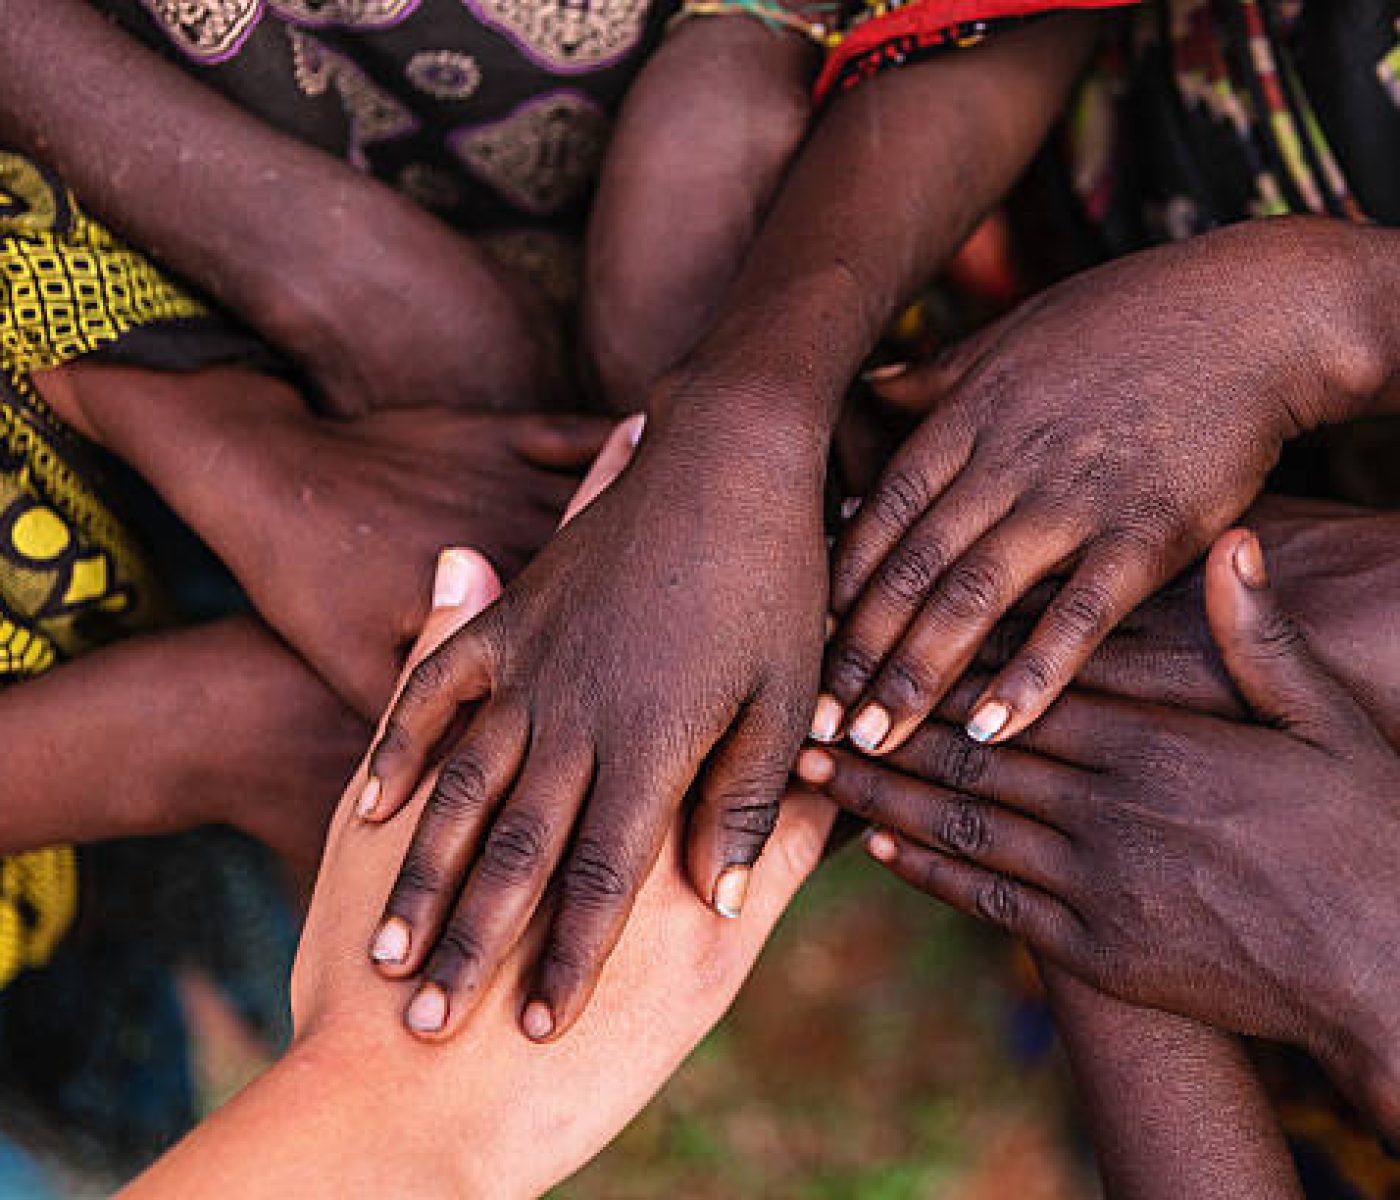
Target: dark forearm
<point>895,176</point>
<point>707,130</point>
<point>1174,1108</point>
<point>282,234</point>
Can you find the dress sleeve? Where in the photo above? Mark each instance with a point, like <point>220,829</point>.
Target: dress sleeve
<point>891,33</point>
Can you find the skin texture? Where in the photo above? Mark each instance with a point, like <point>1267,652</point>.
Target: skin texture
<point>1234,873</point>
<point>289,501</point>
<point>718,111</point>
<point>695,569</point>
<point>233,730</point>
<point>381,304</point>
<point>522,1117</point>
<point>1120,468</point>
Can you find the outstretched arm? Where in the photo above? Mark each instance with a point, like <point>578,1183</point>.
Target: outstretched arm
<point>307,250</point>
<point>1174,1107</point>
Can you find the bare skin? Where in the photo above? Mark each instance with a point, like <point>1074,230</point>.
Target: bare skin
<point>1235,873</point>
<point>731,600</point>
<point>1077,433</point>
<point>233,730</point>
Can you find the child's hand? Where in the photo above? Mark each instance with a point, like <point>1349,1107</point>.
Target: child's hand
<point>1112,425</point>
<point>1239,874</point>
<point>671,633</point>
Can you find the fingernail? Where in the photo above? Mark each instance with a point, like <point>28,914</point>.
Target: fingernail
<point>537,1021</point>
<point>731,890</point>
<point>988,721</point>
<point>369,797</point>
<point>815,766</point>
<point>826,720</point>
<point>453,579</point>
<point>849,507</point>
<point>634,434</point>
<point>870,728</point>
<point>391,942</point>
<point>1249,564</point>
<point>885,372</point>
<point>831,626</point>
<point>882,847</point>
<point>427,1012</point>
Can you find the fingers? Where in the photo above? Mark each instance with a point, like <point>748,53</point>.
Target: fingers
<point>896,589</point>
<point>457,672</point>
<point>917,475</point>
<point>616,845</point>
<point>517,858</point>
<point>460,806</point>
<point>740,793</point>
<point>1115,576</point>
<point>1047,924</point>
<point>464,584</point>
<point>1266,651</point>
<point>615,455</point>
<point>981,832</point>
<point>560,443</point>
<point>960,611</point>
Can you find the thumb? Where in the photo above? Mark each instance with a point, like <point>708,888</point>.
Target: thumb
<point>464,584</point>
<point>1265,650</point>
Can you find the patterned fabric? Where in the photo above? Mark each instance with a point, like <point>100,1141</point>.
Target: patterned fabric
<point>892,33</point>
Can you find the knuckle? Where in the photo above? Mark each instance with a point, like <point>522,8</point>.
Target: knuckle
<point>905,684</point>
<point>1279,634</point>
<point>515,849</point>
<point>1082,611</point>
<point>394,741</point>
<point>910,572</point>
<point>419,876</point>
<point>564,962</point>
<point>900,498</point>
<point>750,820</point>
<point>460,792</point>
<point>999,901</point>
<point>849,666</point>
<point>458,952</point>
<point>973,590</point>
<point>955,760</point>
<point>965,829</point>
<point>865,795</point>
<point>591,880</point>
<point>1038,670</point>
<point>427,679</point>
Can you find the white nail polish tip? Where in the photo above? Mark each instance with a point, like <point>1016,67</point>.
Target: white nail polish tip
<point>988,721</point>
<point>849,507</point>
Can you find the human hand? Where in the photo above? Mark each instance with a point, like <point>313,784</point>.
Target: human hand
<point>1235,873</point>
<point>677,622</point>
<point>1336,571</point>
<point>524,1116</point>
<point>1120,463</point>
<point>290,502</point>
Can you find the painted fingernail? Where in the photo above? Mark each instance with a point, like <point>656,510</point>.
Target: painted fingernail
<point>826,720</point>
<point>636,428</point>
<point>870,728</point>
<point>731,890</point>
<point>391,942</point>
<point>537,1021</point>
<point>988,721</point>
<point>882,846</point>
<point>885,372</point>
<point>369,797</point>
<point>1249,564</point>
<point>453,579</point>
<point>815,766</point>
<point>427,1012</point>
<point>849,507</point>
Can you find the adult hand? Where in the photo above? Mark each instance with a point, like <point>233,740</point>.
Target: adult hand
<point>1113,425</point>
<point>677,622</point>
<point>291,502</point>
<point>1239,874</point>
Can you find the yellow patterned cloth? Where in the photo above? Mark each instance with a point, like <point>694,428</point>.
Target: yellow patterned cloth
<point>71,576</point>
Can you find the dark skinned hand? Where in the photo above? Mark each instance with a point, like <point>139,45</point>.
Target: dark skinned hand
<point>1240,874</point>
<point>674,625</point>
<point>1336,570</point>
<point>1113,425</point>
<point>333,528</point>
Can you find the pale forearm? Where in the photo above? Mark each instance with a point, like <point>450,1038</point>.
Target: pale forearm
<point>1174,1108</point>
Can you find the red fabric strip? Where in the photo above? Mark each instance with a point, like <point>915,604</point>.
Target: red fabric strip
<point>932,15</point>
